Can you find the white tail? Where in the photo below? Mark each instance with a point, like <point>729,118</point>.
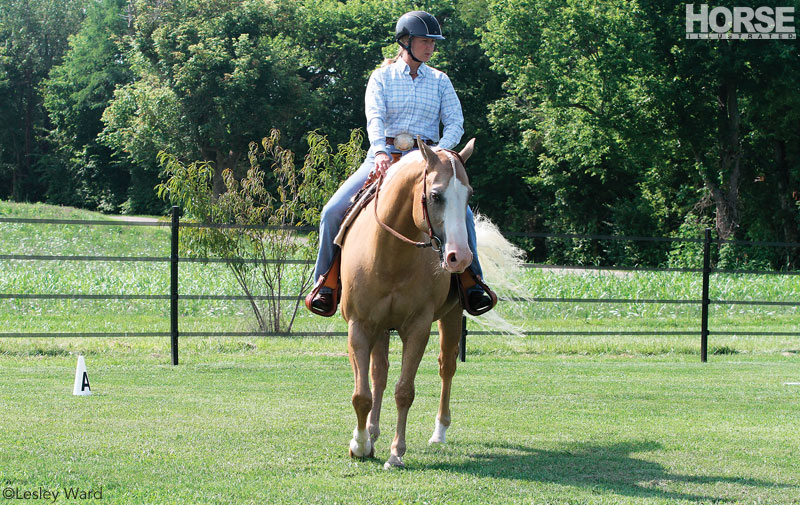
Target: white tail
<point>501,262</point>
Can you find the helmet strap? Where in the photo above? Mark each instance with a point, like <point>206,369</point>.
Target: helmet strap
<point>408,48</point>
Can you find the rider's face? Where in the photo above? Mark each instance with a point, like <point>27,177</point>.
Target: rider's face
<point>423,48</point>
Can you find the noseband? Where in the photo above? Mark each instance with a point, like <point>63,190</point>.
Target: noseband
<point>434,241</point>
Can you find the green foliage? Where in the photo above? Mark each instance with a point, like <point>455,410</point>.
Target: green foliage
<point>344,43</point>
<point>75,94</point>
<point>264,236</point>
<point>143,117</point>
<point>34,37</point>
<point>633,126</point>
<point>591,117</point>
<point>581,102</point>
<point>6,151</point>
<point>719,101</point>
<point>327,169</point>
<point>208,80</point>
<point>495,170</point>
<point>689,254</point>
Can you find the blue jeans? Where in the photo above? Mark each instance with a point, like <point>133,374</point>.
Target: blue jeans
<point>333,213</point>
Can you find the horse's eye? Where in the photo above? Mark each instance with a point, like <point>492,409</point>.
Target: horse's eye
<point>436,197</point>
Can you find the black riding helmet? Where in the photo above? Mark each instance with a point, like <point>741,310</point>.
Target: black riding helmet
<point>416,24</point>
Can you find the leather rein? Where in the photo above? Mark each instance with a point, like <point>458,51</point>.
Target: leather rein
<point>434,241</point>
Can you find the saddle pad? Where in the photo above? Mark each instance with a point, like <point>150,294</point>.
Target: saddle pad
<point>362,198</point>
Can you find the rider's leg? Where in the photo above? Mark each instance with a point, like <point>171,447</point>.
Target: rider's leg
<point>333,213</point>
<point>478,298</point>
<point>473,244</point>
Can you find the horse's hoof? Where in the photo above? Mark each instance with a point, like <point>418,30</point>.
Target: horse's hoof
<point>362,452</point>
<point>371,455</point>
<point>394,463</point>
<point>362,458</point>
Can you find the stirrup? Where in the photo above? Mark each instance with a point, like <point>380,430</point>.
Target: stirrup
<point>464,281</point>
<point>329,279</point>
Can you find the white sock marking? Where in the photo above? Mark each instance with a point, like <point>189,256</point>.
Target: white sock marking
<point>438,433</point>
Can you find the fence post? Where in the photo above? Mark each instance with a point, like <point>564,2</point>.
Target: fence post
<point>173,285</point>
<point>705,299</point>
<point>462,349</point>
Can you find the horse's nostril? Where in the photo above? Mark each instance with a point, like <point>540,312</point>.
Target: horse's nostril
<point>452,258</point>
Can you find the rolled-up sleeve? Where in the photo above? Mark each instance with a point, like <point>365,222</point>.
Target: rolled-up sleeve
<point>451,115</point>
<point>375,109</point>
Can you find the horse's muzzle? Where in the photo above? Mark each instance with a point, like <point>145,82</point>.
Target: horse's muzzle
<point>456,260</point>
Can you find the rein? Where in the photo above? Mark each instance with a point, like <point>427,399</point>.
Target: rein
<point>434,241</point>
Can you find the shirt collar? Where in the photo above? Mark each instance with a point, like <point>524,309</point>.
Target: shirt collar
<point>405,69</point>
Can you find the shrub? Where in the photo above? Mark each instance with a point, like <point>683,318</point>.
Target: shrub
<point>266,234</point>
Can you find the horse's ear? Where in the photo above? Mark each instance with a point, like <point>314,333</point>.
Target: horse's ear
<point>427,152</point>
<point>468,149</point>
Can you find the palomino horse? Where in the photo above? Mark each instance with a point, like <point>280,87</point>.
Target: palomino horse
<point>390,283</point>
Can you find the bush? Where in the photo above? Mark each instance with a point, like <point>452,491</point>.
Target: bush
<point>267,220</point>
<point>689,254</point>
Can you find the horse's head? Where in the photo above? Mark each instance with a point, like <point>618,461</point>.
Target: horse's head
<point>447,193</point>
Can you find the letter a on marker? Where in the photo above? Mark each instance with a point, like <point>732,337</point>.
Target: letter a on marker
<point>81,387</point>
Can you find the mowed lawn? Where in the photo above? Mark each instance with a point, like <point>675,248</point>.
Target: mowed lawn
<point>270,422</point>
<point>560,419</point>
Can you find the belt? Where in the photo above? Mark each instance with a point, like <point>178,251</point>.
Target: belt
<point>390,141</point>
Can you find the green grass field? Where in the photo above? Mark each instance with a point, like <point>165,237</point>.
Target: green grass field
<point>537,420</point>
<point>271,425</point>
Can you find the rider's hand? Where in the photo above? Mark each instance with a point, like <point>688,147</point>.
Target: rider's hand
<point>382,163</point>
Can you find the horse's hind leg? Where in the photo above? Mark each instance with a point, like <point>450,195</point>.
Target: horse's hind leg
<point>379,370</point>
<point>449,338</point>
<point>359,346</point>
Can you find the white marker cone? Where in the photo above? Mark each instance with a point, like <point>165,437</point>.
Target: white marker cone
<point>81,387</point>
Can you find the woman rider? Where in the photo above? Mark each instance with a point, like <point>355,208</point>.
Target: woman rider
<point>404,97</point>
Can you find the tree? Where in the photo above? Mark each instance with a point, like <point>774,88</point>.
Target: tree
<point>75,94</point>
<point>6,111</point>
<point>577,74</point>
<point>635,126</point>
<point>226,73</point>
<point>719,98</point>
<point>772,193</point>
<point>344,43</point>
<point>496,172</point>
<point>34,35</point>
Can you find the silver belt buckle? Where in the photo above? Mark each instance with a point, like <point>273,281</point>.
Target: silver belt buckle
<point>404,142</point>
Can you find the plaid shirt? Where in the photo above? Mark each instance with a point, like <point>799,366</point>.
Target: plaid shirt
<point>396,103</point>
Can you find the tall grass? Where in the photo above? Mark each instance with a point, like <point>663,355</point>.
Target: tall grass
<point>197,279</point>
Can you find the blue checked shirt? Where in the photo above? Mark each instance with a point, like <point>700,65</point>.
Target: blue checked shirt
<point>396,103</point>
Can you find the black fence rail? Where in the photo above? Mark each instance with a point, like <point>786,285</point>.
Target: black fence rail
<point>174,295</point>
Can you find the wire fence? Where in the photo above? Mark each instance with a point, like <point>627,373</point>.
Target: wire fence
<point>174,296</point>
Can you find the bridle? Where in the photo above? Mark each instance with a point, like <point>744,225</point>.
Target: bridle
<point>434,242</point>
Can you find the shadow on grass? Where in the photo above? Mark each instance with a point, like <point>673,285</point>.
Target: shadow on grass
<point>602,468</point>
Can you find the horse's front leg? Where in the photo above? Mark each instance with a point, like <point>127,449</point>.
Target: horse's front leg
<point>359,345</point>
<point>379,371</point>
<point>414,343</point>
<point>449,339</point>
